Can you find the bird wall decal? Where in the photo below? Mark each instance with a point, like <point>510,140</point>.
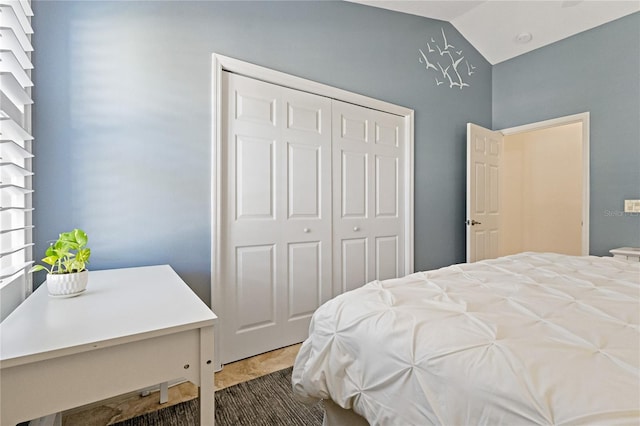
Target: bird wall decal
<point>426,61</point>
<point>446,52</point>
<point>469,69</point>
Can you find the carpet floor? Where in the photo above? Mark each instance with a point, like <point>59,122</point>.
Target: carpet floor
<point>265,401</point>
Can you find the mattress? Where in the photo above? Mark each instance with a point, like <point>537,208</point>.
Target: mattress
<point>525,339</point>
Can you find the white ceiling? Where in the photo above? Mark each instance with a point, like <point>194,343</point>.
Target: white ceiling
<point>493,26</point>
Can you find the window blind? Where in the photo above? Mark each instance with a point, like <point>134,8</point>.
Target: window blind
<point>16,173</point>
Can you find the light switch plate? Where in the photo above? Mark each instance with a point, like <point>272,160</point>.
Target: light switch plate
<point>632,206</point>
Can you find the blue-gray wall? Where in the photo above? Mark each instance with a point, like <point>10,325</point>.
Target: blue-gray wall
<point>596,71</point>
<point>122,116</point>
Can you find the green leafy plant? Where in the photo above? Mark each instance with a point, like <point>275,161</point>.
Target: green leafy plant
<point>68,255</point>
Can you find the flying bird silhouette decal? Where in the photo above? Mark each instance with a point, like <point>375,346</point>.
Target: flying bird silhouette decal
<point>445,53</point>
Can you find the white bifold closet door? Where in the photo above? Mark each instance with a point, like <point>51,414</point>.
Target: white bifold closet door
<point>312,193</point>
<point>368,191</point>
<point>276,228</point>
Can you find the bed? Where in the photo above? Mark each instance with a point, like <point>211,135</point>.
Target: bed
<point>533,338</point>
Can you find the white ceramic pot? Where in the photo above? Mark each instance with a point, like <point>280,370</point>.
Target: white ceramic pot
<point>67,284</point>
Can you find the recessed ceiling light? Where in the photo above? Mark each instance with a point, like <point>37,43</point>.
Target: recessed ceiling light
<point>524,38</point>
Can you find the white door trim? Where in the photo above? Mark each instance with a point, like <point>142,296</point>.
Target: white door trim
<point>220,63</point>
<point>560,121</point>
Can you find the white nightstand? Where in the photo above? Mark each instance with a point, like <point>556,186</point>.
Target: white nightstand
<point>132,328</point>
<point>628,253</point>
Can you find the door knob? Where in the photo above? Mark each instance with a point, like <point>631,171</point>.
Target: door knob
<point>473,222</point>
<point>306,230</point>
<point>355,228</point>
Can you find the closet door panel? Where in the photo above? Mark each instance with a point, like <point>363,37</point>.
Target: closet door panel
<point>312,201</point>
<point>307,224</point>
<point>353,127</point>
<point>387,257</point>
<point>276,218</point>
<point>307,135</point>
<point>304,181</point>
<point>303,117</point>
<point>305,278</point>
<point>368,195</point>
<point>255,107</point>
<point>354,263</point>
<point>354,184</point>
<point>255,287</point>
<point>387,134</point>
<point>254,166</point>
<point>386,187</point>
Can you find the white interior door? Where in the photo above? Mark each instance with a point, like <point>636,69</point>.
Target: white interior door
<point>484,150</point>
<point>368,196</point>
<point>276,224</point>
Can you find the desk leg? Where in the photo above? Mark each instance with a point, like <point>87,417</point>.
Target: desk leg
<point>164,392</point>
<point>207,387</point>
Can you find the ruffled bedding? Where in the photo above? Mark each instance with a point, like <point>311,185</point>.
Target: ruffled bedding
<point>524,339</point>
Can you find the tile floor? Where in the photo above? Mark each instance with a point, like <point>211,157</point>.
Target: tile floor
<point>124,407</point>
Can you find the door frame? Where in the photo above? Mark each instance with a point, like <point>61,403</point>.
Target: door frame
<point>583,118</point>
<point>224,63</point>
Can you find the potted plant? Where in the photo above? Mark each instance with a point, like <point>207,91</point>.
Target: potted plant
<point>67,258</point>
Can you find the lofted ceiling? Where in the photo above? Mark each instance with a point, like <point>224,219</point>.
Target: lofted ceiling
<point>501,29</point>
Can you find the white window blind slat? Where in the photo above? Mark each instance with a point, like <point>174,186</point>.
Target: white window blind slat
<point>26,6</point>
<point>10,149</point>
<point>15,249</point>
<point>10,169</point>
<point>6,231</point>
<point>21,13</point>
<point>13,189</point>
<point>10,64</point>
<point>10,43</point>
<point>13,271</point>
<point>12,131</point>
<point>14,91</point>
<point>16,172</point>
<point>9,20</point>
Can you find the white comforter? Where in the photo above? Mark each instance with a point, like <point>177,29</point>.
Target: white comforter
<point>523,339</point>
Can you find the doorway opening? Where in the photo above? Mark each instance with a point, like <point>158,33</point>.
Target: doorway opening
<point>528,188</point>
<point>541,186</point>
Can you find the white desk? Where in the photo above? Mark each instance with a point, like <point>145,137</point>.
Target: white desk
<point>132,328</point>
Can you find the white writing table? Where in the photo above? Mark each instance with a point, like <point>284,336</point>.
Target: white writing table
<point>132,328</point>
